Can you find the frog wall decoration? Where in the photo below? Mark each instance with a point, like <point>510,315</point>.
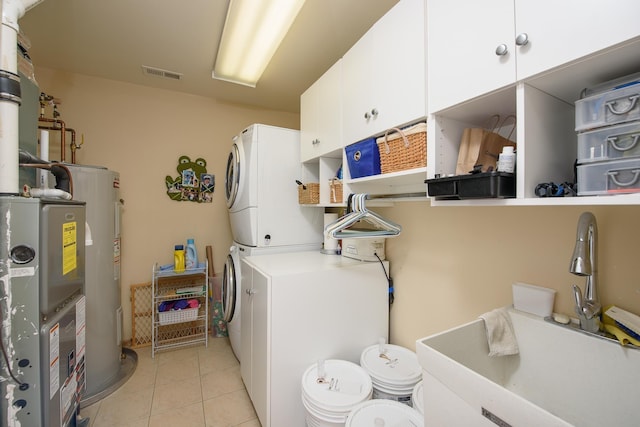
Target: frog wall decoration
<point>193,183</point>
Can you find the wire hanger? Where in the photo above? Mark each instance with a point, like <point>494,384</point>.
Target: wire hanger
<point>340,229</point>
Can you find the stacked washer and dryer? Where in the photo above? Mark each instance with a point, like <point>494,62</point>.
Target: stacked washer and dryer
<point>265,216</point>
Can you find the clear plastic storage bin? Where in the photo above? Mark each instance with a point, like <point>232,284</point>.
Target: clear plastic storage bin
<point>608,108</point>
<point>609,143</point>
<point>627,80</point>
<point>612,177</point>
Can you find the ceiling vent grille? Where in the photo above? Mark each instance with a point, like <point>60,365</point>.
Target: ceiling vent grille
<point>158,72</point>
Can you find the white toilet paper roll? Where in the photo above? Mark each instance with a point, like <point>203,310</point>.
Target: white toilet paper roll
<point>330,244</point>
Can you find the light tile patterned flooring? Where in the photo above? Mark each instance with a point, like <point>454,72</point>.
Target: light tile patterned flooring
<point>190,387</point>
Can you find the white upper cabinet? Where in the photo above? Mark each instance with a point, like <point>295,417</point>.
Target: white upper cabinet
<point>321,115</point>
<point>477,47</point>
<point>531,59</point>
<point>383,74</point>
<point>562,31</point>
<point>462,38</point>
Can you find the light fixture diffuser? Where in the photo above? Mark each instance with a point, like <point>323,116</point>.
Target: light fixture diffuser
<point>252,33</point>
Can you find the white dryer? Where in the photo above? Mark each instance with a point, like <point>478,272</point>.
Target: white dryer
<point>232,281</point>
<point>261,190</point>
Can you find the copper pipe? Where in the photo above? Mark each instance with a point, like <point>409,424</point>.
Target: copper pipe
<point>63,131</point>
<point>48,166</point>
<point>72,145</point>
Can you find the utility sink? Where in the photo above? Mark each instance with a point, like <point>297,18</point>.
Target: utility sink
<point>561,377</point>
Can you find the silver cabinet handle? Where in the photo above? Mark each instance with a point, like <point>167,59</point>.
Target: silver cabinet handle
<point>522,39</point>
<point>502,50</point>
<point>250,291</point>
<point>315,141</point>
<point>373,113</point>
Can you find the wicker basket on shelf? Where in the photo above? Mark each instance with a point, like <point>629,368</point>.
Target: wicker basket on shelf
<point>309,193</point>
<point>402,149</point>
<point>335,191</point>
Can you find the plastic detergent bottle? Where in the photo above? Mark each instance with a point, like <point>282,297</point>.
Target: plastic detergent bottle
<point>191,256</point>
<point>178,259</point>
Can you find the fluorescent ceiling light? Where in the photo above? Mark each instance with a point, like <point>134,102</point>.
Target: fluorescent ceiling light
<point>252,32</point>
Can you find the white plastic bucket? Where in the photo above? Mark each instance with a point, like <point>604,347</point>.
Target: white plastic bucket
<point>381,412</point>
<point>328,401</point>
<point>394,371</point>
<point>417,398</point>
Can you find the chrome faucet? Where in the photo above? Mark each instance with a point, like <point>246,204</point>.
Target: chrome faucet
<point>584,263</point>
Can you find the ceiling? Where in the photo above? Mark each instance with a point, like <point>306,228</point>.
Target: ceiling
<point>113,39</point>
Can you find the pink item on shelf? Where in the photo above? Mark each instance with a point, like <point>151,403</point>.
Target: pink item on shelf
<point>194,303</point>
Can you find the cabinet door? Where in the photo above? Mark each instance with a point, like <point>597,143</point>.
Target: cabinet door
<point>462,39</point>
<point>260,357</point>
<point>321,115</point>
<point>384,74</point>
<point>309,127</point>
<point>357,79</point>
<point>246,322</point>
<point>330,110</point>
<point>562,31</point>
<point>399,69</point>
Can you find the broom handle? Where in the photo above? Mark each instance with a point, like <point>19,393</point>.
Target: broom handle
<point>209,250</point>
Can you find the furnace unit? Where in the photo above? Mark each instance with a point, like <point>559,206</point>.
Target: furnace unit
<point>42,304</point>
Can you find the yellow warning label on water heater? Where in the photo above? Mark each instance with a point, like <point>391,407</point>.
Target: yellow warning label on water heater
<point>69,247</point>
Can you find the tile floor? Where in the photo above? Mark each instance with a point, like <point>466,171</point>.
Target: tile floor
<point>190,387</point>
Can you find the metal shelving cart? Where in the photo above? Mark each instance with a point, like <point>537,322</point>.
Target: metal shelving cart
<point>187,326</point>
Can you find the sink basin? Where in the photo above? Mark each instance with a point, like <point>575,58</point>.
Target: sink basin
<point>561,377</point>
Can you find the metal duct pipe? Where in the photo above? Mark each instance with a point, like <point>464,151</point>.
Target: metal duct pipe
<point>62,174</point>
<point>27,157</point>
<point>10,96</point>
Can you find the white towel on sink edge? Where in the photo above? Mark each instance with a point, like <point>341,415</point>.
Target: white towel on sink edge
<point>500,335</point>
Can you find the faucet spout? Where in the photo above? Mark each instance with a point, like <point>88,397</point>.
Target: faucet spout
<point>577,295</point>
<point>584,263</point>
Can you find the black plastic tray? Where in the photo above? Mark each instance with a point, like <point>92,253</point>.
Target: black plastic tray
<point>486,185</point>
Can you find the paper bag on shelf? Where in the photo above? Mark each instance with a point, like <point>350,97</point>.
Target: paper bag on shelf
<point>480,147</point>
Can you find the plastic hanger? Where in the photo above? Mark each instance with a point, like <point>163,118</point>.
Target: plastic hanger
<point>340,229</point>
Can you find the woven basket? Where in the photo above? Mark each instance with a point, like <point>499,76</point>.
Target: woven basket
<point>403,149</point>
<point>335,191</point>
<point>309,195</point>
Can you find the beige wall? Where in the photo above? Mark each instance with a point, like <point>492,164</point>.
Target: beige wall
<point>449,265</point>
<point>141,132</point>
